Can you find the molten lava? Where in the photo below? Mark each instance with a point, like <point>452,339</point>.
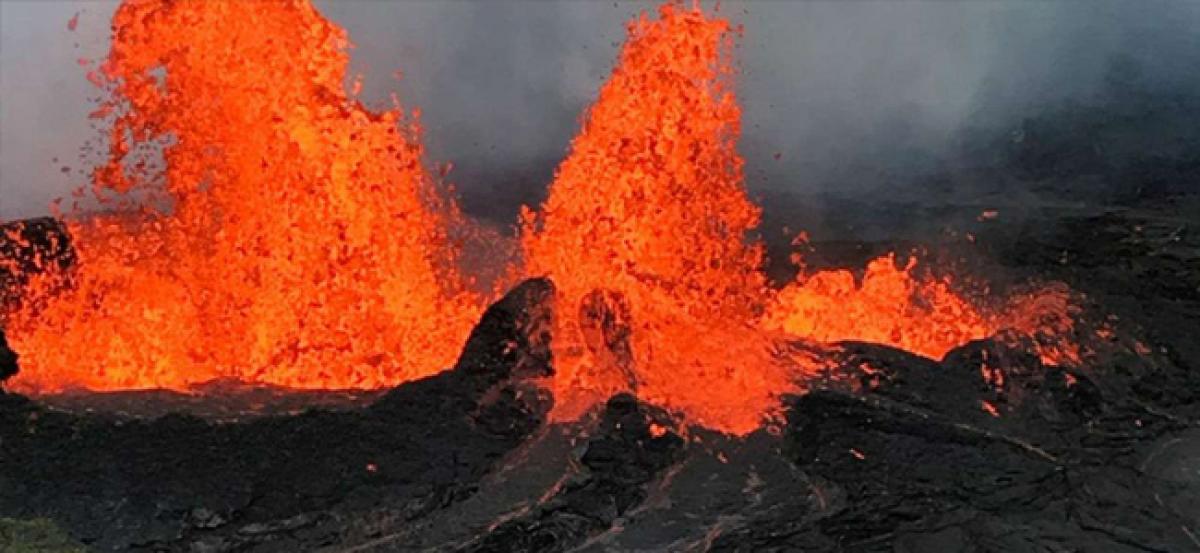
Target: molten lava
<point>292,236</point>
<point>300,242</point>
<point>922,314</point>
<point>650,205</point>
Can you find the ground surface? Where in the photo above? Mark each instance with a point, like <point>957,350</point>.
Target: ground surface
<point>892,453</point>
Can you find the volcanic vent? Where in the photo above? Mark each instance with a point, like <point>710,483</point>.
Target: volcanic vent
<point>313,251</point>
<point>261,228</point>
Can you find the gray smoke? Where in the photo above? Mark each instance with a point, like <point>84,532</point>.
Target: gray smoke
<point>842,91</point>
<point>45,100</point>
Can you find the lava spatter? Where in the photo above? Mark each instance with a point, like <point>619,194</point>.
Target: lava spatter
<point>292,236</point>
<point>649,205</point>
<point>258,223</point>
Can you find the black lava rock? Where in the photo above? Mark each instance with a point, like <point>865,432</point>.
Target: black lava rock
<point>291,482</point>
<point>8,359</point>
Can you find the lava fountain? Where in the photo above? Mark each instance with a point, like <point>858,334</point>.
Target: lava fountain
<point>650,210</point>
<point>649,206</point>
<point>291,236</point>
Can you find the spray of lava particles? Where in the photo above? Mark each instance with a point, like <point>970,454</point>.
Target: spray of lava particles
<point>649,205</point>
<point>303,244</point>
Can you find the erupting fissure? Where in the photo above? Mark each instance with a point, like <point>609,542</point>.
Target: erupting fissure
<point>292,236</point>
<point>649,204</point>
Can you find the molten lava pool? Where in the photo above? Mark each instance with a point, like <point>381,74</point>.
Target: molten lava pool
<point>263,225</point>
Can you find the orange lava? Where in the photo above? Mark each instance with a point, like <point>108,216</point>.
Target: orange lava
<point>293,237</point>
<point>889,306</point>
<point>650,204</point>
<point>922,314</point>
<point>301,242</point>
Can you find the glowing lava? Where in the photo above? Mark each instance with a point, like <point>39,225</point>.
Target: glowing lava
<point>922,314</point>
<point>302,243</point>
<point>650,208</point>
<point>293,237</point>
<point>650,205</point>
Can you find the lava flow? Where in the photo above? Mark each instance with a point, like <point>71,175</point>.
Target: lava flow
<point>922,314</point>
<point>293,237</point>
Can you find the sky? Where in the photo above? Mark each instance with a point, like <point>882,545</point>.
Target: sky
<point>838,89</point>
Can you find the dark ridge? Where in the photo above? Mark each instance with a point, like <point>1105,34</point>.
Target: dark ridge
<point>618,464</point>
<point>903,462</point>
<point>181,483</point>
